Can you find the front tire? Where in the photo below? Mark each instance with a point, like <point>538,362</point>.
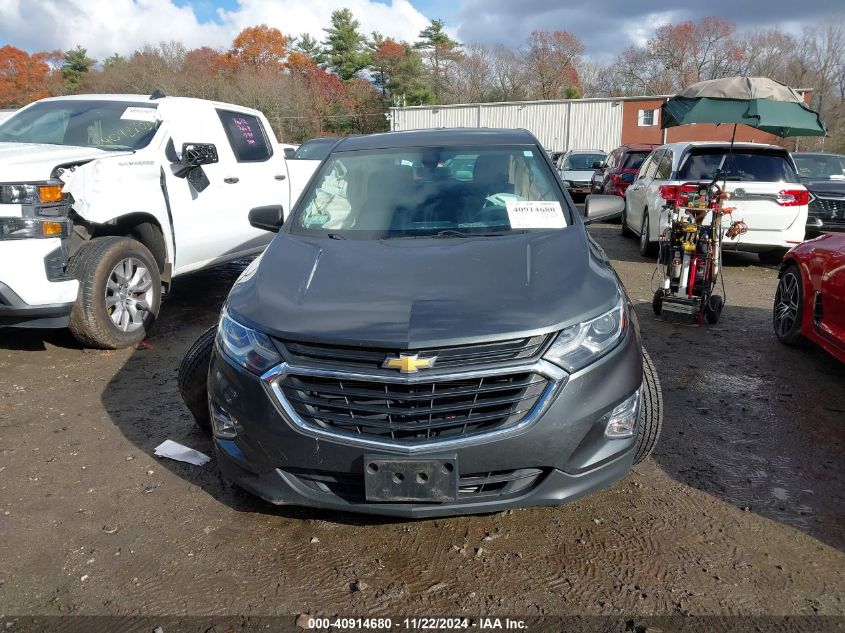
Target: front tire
<point>788,308</point>
<point>650,420</point>
<point>193,378</point>
<point>119,292</point>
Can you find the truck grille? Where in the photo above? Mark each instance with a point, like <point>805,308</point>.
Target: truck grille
<point>413,412</point>
<point>349,356</point>
<point>828,210</point>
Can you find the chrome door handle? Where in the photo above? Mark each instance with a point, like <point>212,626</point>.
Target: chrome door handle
<point>279,176</point>
<point>231,180</point>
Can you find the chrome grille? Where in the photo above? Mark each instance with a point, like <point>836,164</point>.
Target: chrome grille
<point>412,412</point>
<point>356,357</point>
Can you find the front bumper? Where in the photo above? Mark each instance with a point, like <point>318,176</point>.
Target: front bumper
<point>34,289</point>
<point>561,455</point>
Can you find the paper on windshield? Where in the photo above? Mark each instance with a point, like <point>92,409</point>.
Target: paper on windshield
<point>134,113</point>
<point>536,214</point>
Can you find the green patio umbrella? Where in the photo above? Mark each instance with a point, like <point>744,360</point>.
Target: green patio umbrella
<point>758,102</point>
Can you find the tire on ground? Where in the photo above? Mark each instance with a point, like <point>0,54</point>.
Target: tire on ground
<point>193,378</point>
<point>89,320</point>
<point>793,335</point>
<point>651,411</point>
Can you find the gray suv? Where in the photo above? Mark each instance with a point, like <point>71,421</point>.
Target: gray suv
<point>419,341</point>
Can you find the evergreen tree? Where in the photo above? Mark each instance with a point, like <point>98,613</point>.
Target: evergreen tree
<point>345,45</point>
<point>308,45</point>
<point>439,50</point>
<point>76,65</point>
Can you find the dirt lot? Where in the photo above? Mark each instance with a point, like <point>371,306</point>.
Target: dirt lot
<point>740,511</point>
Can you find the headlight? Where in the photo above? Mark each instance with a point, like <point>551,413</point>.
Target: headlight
<point>26,228</point>
<point>31,194</point>
<point>579,345</point>
<point>249,348</point>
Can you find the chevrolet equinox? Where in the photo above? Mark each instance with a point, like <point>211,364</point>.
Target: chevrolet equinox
<point>431,332</point>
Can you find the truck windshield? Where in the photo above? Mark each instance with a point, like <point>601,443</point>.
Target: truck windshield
<point>424,192</point>
<point>743,165</point>
<point>110,125</point>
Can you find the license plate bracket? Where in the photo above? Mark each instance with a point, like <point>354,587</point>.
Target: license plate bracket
<point>401,479</point>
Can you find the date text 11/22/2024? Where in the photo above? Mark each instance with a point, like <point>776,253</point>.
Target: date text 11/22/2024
<point>416,624</point>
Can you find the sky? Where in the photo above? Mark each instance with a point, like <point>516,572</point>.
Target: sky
<point>606,26</point>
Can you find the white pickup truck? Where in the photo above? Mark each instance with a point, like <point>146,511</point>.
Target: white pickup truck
<point>104,199</point>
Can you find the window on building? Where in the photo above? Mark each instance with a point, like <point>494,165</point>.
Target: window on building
<point>648,118</point>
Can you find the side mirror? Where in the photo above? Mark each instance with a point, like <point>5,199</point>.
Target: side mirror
<point>195,155</point>
<point>289,152</point>
<point>598,208</point>
<point>598,165</point>
<point>269,218</point>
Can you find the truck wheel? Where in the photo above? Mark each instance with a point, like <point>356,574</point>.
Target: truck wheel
<point>193,378</point>
<point>119,292</point>
<point>651,411</point>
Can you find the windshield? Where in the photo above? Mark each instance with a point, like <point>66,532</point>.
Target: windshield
<point>444,192</point>
<point>633,160</point>
<point>582,162</point>
<point>820,166</point>
<point>111,125</point>
<point>315,149</point>
<point>743,165</point>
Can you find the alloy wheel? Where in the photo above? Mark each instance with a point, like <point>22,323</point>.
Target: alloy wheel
<point>129,292</point>
<point>786,304</point>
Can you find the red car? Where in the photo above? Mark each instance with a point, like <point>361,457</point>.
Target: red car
<point>619,169</point>
<point>810,299</point>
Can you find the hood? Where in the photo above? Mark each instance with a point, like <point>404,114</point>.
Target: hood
<point>822,187</point>
<point>579,174</point>
<point>412,293</point>
<point>21,162</point>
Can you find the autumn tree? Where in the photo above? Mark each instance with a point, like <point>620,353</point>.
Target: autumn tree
<point>551,60</point>
<point>439,51</point>
<point>24,77</point>
<point>259,47</point>
<point>76,64</point>
<point>345,45</point>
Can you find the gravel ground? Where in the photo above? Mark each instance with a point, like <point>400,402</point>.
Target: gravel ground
<point>739,511</point>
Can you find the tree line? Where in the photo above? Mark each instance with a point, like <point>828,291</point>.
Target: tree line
<point>345,83</point>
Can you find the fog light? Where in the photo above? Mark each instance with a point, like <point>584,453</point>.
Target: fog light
<point>223,425</point>
<point>622,421</point>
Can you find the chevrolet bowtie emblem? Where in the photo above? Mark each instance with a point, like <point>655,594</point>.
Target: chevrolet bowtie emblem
<point>408,363</point>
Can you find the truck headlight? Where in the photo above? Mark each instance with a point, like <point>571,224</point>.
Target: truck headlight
<point>251,349</point>
<point>579,345</point>
<point>48,193</point>
<point>27,228</point>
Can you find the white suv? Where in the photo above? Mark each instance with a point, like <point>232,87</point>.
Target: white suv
<point>766,194</point>
<point>105,199</point>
